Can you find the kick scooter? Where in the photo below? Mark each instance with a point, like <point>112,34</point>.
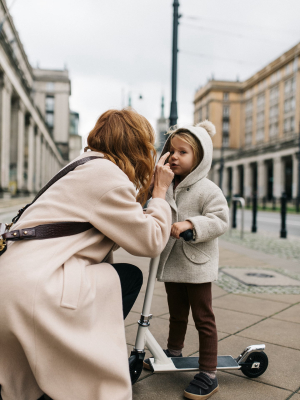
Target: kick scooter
<point>252,361</point>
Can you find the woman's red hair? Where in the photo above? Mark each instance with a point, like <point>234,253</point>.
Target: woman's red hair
<point>127,139</point>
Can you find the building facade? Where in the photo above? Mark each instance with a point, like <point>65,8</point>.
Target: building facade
<point>257,123</point>
<point>34,116</point>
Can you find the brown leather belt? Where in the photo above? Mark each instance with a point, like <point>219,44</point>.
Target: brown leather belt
<point>48,231</point>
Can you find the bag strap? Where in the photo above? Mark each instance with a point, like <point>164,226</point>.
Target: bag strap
<point>58,176</point>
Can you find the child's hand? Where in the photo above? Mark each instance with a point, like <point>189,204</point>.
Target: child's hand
<point>179,227</point>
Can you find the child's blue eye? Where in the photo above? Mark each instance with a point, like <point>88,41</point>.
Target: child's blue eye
<point>183,152</point>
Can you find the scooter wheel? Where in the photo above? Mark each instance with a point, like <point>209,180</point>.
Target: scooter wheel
<point>256,357</point>
<point>135,365</point>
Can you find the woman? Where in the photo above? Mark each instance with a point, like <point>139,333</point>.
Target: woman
<point>61,321</point>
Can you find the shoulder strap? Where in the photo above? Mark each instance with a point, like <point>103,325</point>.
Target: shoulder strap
<point>58,176</point>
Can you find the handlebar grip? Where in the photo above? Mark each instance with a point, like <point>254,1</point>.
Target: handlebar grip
<point>187,235</point>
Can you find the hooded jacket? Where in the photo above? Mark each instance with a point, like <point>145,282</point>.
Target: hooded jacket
<point>200,201</point>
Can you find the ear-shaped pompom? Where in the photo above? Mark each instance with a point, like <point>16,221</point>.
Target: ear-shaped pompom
<point>208,126</point>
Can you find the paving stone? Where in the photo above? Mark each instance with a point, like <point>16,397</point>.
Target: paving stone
<point>292,314</point>
<point>217,291</point>
<point>132,318</point>
<point>283,368</point>
<point>159,305</point>
<point>248,305</point>
<point>296,396</point>
<point>233,321</point>
<point>171,386</point>
<point>281,298</point>
<point>282,333</point>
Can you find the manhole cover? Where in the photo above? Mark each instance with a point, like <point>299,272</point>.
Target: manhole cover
<point>260,275</point>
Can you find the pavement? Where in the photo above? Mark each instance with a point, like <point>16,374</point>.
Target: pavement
<point>252,305</point>
<point>243,318</point>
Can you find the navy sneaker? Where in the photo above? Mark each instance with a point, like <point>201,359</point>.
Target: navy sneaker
<point>201,387</point>
<point>147,365</point>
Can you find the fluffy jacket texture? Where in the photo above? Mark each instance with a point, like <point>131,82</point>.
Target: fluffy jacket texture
<point>200,201</point>
<point>61,321</point>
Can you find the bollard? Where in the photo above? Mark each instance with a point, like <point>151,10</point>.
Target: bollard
<point>248,201</point>
<point>254,212</point>
<point>264,202</point>
<point>274,203</point>
<point>297,204</point>
<point>283,232</point>
<point>234,208</point>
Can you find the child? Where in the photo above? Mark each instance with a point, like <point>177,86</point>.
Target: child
<point>188,268</point>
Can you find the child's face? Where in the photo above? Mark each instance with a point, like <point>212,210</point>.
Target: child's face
<point>181,157</point>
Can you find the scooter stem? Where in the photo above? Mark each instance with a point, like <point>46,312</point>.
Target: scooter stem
<point>146,316</point>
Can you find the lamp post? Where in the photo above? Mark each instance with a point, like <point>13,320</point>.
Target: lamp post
<point>298,190</point>
<point>173,112</point>
<point>221,164</point>
<point>140,97</point>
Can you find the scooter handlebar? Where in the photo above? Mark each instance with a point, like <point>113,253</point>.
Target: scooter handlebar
<point>187,235</point>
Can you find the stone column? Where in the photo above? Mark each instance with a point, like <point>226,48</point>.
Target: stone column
<point>31,156</point>
<point>5,110</point>
<point>261,179</point>
<point>21,144</point>
<point>295,175</point>
<point>235,180</point>
<point>43,162</point>
<point>37,181</point>
<point>247,180</point>
<point>278,184</point>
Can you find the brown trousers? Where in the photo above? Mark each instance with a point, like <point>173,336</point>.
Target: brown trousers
<point>182,296</point>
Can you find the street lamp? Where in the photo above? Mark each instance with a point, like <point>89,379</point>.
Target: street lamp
<point>173,112</point>
<point>140,97</point>
<point>298,191</point>
<point>221,163</point>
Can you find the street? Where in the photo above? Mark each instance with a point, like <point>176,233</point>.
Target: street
<point>270,222</point>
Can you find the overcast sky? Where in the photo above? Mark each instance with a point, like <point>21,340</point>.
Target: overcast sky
<point>113,47</point>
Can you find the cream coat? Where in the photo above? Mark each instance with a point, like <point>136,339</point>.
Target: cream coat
<point>200,201</point>
<point>61,322</point>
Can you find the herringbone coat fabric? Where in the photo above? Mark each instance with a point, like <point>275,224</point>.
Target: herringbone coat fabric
<point>61,320</point>
<point>202,202</point>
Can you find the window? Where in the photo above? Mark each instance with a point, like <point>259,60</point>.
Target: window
<point>200,114</point>
<point>274,92</point>
<point>50,86</point>
<point>50,120</point>
<point>225,126</point>
<point>288,69</point>
<point>226,111</point>
<point>273,129</point>
<point>274,111</point>
<point>295,64</point>
<point>248,138</point>
<point>50,103</point>
<point>249,107</point>
<point>261,100</point>
<point>225,96</point>
<point>292,124</point>
<point>249,124</point>
<point>225,140</point>
<point>260,117</point>
<point>260,134</point>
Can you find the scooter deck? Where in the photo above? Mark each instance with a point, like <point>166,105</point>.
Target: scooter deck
<point>191,364</point>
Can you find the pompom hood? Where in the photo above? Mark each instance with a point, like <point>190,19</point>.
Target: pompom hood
<point>203,132</point>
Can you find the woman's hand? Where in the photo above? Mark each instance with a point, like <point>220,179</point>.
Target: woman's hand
<point>179,227</point>
<point>162,178</point>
